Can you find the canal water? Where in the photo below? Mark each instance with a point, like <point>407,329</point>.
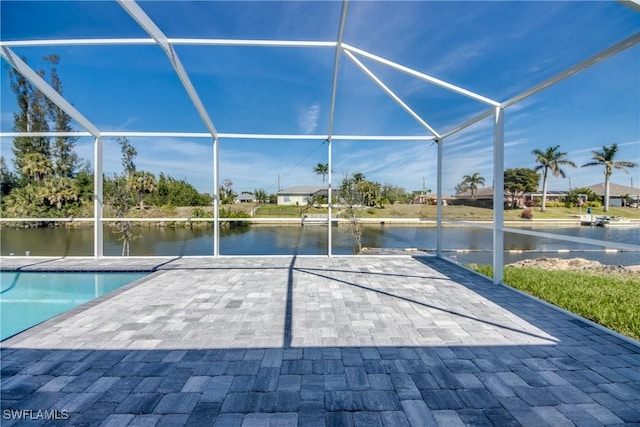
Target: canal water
<point>462,243</point>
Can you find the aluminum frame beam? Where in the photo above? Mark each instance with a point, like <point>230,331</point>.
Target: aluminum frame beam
<point>583,65</point>
<point>173,41</point>
<point>423,76</point>
<point>152,29</point>
<point>251,43</point>
<point>227,136</point>
<point>469,122</point>
<point>258,136</point>
<point>391,94</point>
<point>77,42</point>
<point>632,4</point>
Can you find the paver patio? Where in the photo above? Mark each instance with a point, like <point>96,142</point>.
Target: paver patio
<point>360,341</point>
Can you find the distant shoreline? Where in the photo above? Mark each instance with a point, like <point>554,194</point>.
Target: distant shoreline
<point>283,221</point>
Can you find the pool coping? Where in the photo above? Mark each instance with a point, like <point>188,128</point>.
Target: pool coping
<point>52,321</point>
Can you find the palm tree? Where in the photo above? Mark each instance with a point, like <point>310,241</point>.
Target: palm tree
<point>471,182</point>
<point>36,166</point>
<point>358,176</point>
<point>60,190</point>
<point>550,160</point>
<point>142,183</point>
<point>605,158</point>
<point>260,195</point>
<point>460,188</point>
<point>321,169</point>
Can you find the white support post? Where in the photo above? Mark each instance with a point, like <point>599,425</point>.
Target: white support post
<point>498,196</point>
<point>216,197</point>
<point>98,201</point>
<point>329,220</point>
<point>439,200</point>
<point>334,90</point>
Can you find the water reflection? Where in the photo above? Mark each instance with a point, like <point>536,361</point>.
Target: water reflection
<point>308,240</point>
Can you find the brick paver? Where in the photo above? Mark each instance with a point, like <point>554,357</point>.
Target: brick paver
<point>390,341</point>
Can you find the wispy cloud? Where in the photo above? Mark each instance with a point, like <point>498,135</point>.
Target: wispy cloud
<point>620,144</point>
<point>308,118</point>
<point>459,58</point>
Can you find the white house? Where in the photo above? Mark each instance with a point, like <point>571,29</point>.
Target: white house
<point>246,198</point>
<point>616,191</point>
<point>298,196</point>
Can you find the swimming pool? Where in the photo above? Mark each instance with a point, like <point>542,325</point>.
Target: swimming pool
<point>27,299</point>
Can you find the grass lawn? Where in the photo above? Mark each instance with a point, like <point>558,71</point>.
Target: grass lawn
<point>460,213</point>
<point>287,211</point>
<point>610,300</point>
<point>466,213</point>
<point>471,213</point>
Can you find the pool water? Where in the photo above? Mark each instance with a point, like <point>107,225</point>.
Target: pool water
<point>27,299</point>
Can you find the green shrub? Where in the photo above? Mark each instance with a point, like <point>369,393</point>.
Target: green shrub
<point>230,213</point>
<point>527,214</point>
<point>198,212</point>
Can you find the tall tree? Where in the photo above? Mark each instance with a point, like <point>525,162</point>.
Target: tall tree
<point>471,182</point>
<point>129,154</point>
<point>606,158</point>
<point>517,182</point>
<point>351,199</point>
<point>550,160</point>
<point>30,117</point>
<point>227,195</point>
<point>65,160</point>
<point>120,200</point>
<point>119,195</point>
<point>321,169</point>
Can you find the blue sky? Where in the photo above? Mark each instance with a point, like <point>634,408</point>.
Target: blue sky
<point>496,49</point>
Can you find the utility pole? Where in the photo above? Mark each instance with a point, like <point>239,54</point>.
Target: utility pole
<point>279,184</point>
